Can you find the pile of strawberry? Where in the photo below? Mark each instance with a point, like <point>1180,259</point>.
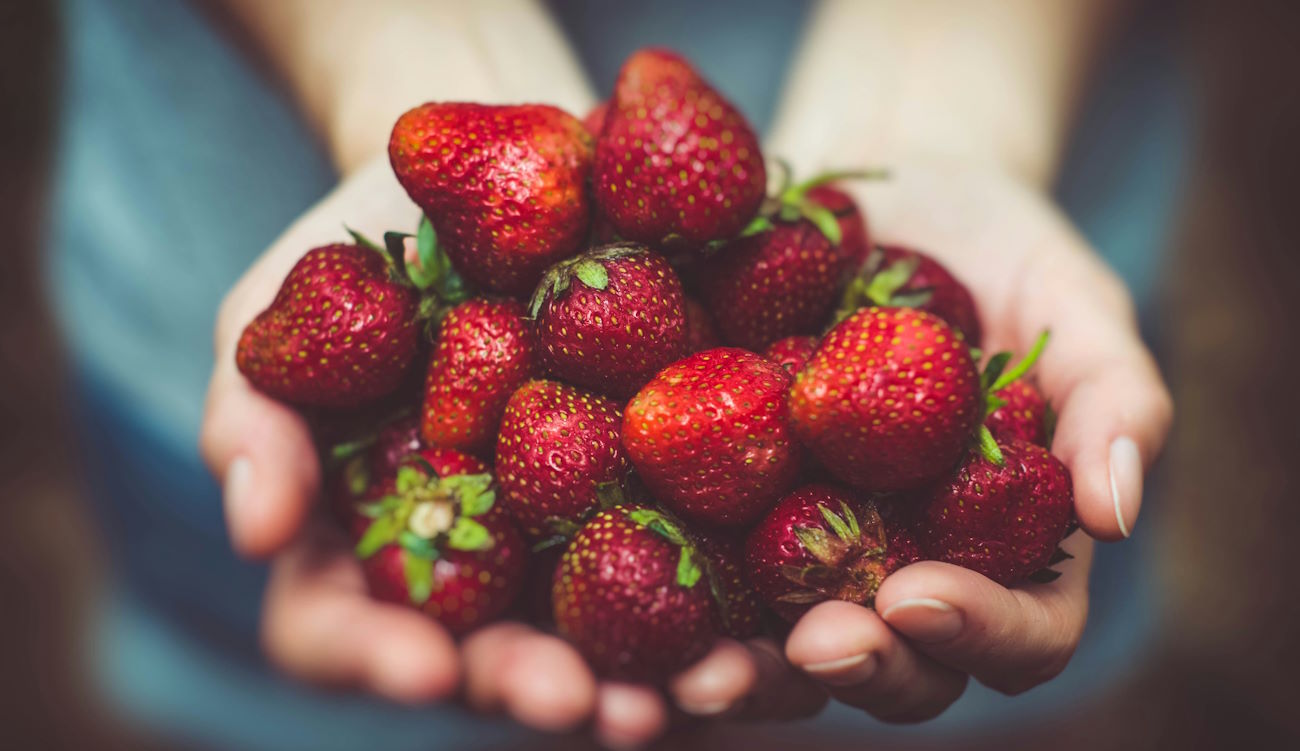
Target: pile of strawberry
<point>654,402</point>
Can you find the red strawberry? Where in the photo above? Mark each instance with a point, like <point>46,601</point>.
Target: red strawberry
<point>821,543</point>
<point>438,542</point>
<point>362,463</point>
<point>701,333</point>
<point>900,277</point>
<point>610,318</point>
<point>632,595</point>
<point>792,352</point>
<point>485,351</point>
<point>710,436</point>
<point>677,166</point>
<point>343,330</point>
<point>738,608</point>
<point>1024,414</point>
<point>594,120</point>
<point>1004,521</point>
<point>557,451</point>
<point>505,186</point>
<point>889,401</point>
<point>854,242</point>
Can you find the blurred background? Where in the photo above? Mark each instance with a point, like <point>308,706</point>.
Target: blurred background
<point>1217,672</point>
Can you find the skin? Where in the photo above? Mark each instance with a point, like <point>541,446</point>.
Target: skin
<point>1027,267</point>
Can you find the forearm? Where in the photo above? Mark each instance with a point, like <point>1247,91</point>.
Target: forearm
<point>973,81</point>
<point>355,66</point>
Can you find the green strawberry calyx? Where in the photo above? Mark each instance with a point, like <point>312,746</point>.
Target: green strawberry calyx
<point>427,268</point>
<point>692,565</point>
<point>877,284</point>
<point>588,268</point>
<point>790,201</point>
<point>426,515</point>
<point>849,554</point>
<point>997,376</point>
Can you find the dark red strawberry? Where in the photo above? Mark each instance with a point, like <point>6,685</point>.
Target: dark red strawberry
<point>633,596</point>
<point>889,401</point>
<point>504,186</point>
<point>677,166</point>
<point>610,318</point>
<point>792,352</point>
<point>594,120</point>
<point>739,611</point>
<point>485,351</point>
<point>854,240</point>
<point>1002,520</point>
<point>557,451</point>
<point>1023,414</point>
<point>710,436</point>
<point>901,277</point>
<point>701,333</point>
<point>357,465</point>
<point>437,541</point>
<point>343,330</point>
<point>821,543</point>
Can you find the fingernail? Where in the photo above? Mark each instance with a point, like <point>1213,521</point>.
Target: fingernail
<point>846,671</point>
<point>924,619</point>
<point>704,709</point>
<point>1125,482</point>
<point>238,481</point>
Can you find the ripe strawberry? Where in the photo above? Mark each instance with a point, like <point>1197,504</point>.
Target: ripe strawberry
<point>557,450</point>
<point>738,609</point>
<point>1024,414</point>
<point>710,437</point>
<point>889,401</point>
<point>633,596</point>
<point>343,330</point>
<point>610,318</point>
<point>438,542</point>
<point>485,351</point>
<point>594,120</point>
<point>901,277</point>
<point>792,352</point>
<point>701,333</point>
<point>1004,521</point>
<point>821,543</point>
<point>677,166</point>
<point>505,186</point>
<point>854,242</point>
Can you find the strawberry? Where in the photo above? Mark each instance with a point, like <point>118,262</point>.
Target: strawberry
<point>504,186</point>
<point>633,595</point>
<point>358,465</point>
<point>610,318</point>
<point>821,543</point>
<point>342,331</point>
<point>677,166</point>
<point>438,542</point>
<point>901,277</point>
<point>738,609</point>
<point>594,120</point>
<point>1003,520</point>
<point>701,332</point>
<point>854,241</point>
<point>1024,414</point>
<point>558,451</point>
<point>792,352</point>
<point>485,350</point>
<point>889,401</point>
<point>710,437</point>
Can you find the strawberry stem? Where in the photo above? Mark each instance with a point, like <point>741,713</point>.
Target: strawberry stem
<point>1022,367</point>
<point>989,446</point>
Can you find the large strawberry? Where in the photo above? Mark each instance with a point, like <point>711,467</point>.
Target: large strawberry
<point>485,350</point>
<point>504,186</point>
<point>792,352</point>
<point>889,401</point>
<point>822,543</point>
<point>677,166</point>
<point>610,318</point>
<point>1023,414</point>
<point>558,451</point>
<point>901,277</point>
<point>343,330</point>
<point>710,437</point>
<point>438,542</point>
<point>1002,519</point>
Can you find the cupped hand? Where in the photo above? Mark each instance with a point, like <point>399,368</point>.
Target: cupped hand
<point>935,624</point>
<point>318,622</point>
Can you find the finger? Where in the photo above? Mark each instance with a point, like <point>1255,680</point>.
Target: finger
<point>539,680</point>
<point>319,625</point>
<point>864,664</point>
<point>782,691</point>
<point>716,682</point>
<point>629,715</point>
<point>1009,639</point>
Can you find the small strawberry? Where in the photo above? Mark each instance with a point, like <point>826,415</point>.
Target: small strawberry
<point>610,318</point>
<point>438,542</point>
<point>343,330</point>
<point>889,401</point>
<point>633,595</point>
<point>558,450</point>
<point>821,543</point>
<point>701,332</point>
<point>485,350</point>
<point>677,166</point>
<point>1003,520</point>
<point>854,242</point>
<point>504,186</point>
<point>1024,414</point>
<point>792,352</point>
<point>900,277</point>
<point>710,437</point>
